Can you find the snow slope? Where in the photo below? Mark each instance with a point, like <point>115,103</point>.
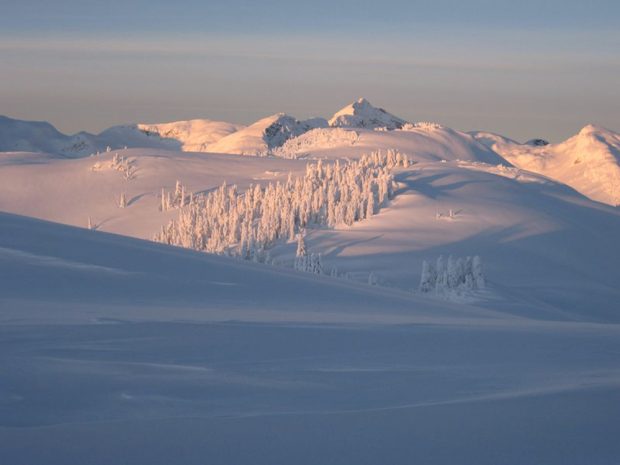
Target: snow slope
<point>588,161</point>
<point>361,114</point>
<point>421,142</point>
<point>32,136</point>
<point>115,350</point>
<point>36,136</point>
<point>70,191</point>
<point>264,135</point>
<point>189,136</point>
<point>524,226</point>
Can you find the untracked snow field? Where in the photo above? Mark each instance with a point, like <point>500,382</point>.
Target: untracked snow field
<point>116,350</point>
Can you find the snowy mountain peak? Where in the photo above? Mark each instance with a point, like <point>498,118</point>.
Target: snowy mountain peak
<point>362,114</point>
<point>362,102</point>
<point>265,134</point>
<point>589,129</point>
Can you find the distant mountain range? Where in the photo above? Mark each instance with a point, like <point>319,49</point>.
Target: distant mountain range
<point>589,161</point>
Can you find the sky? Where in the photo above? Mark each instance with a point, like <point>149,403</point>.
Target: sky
<point>522,69</point>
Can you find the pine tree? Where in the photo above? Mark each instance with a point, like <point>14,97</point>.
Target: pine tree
<point>163,200</point>
<point>301,257</point>
<point>428,278</point>
<point>478,275</point>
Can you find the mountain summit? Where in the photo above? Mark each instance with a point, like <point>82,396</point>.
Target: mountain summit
<point>361,114</point>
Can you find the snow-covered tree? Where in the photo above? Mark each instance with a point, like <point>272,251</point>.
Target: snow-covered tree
<point>301,257</point>
<point>428,278</point>
<point>163,205</point>
<point>122,201</point>
<point>455,275</point>
<point>315,264</point>
<point>477,272</point>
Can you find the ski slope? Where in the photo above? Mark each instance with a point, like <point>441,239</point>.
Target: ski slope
<point>116,350</point>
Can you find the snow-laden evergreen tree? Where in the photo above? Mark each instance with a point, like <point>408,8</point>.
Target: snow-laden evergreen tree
<point>428,278</point>
<point>454,275</point>
<point>301,256</point>
<point>178,199</point>
<point>316,263</point>
<point>122,201</point>
<point>441,280</point>
<point>477,272</point>
<point>163,206</point>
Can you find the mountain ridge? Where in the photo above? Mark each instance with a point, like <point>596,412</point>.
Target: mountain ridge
<point>589,161</point>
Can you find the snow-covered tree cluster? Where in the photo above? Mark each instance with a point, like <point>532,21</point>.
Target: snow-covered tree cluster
<point>461,274</point>
<point>319,138</point>
<point>177,199</point>
<point>122,164</point>
<point>226,221</point>
<point>118,163</point>
<point>421,125</point>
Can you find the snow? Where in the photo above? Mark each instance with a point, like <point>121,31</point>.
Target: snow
<point>420,143</point>
<point>523,226</point>
<point>35,136</point>
<point>589,161</point>
<point>116,349</point>
<point>361,114</point>
<point>270,132</point>
<point>31,136</point>
<point>69,191</point>
<point>137,352</point>
<point>189,136</point>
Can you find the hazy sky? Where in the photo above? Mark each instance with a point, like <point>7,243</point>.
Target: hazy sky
<point>521,68</point>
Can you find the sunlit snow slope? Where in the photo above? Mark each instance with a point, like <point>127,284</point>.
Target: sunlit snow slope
<point>549,251</point>
<point>588,161</point>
